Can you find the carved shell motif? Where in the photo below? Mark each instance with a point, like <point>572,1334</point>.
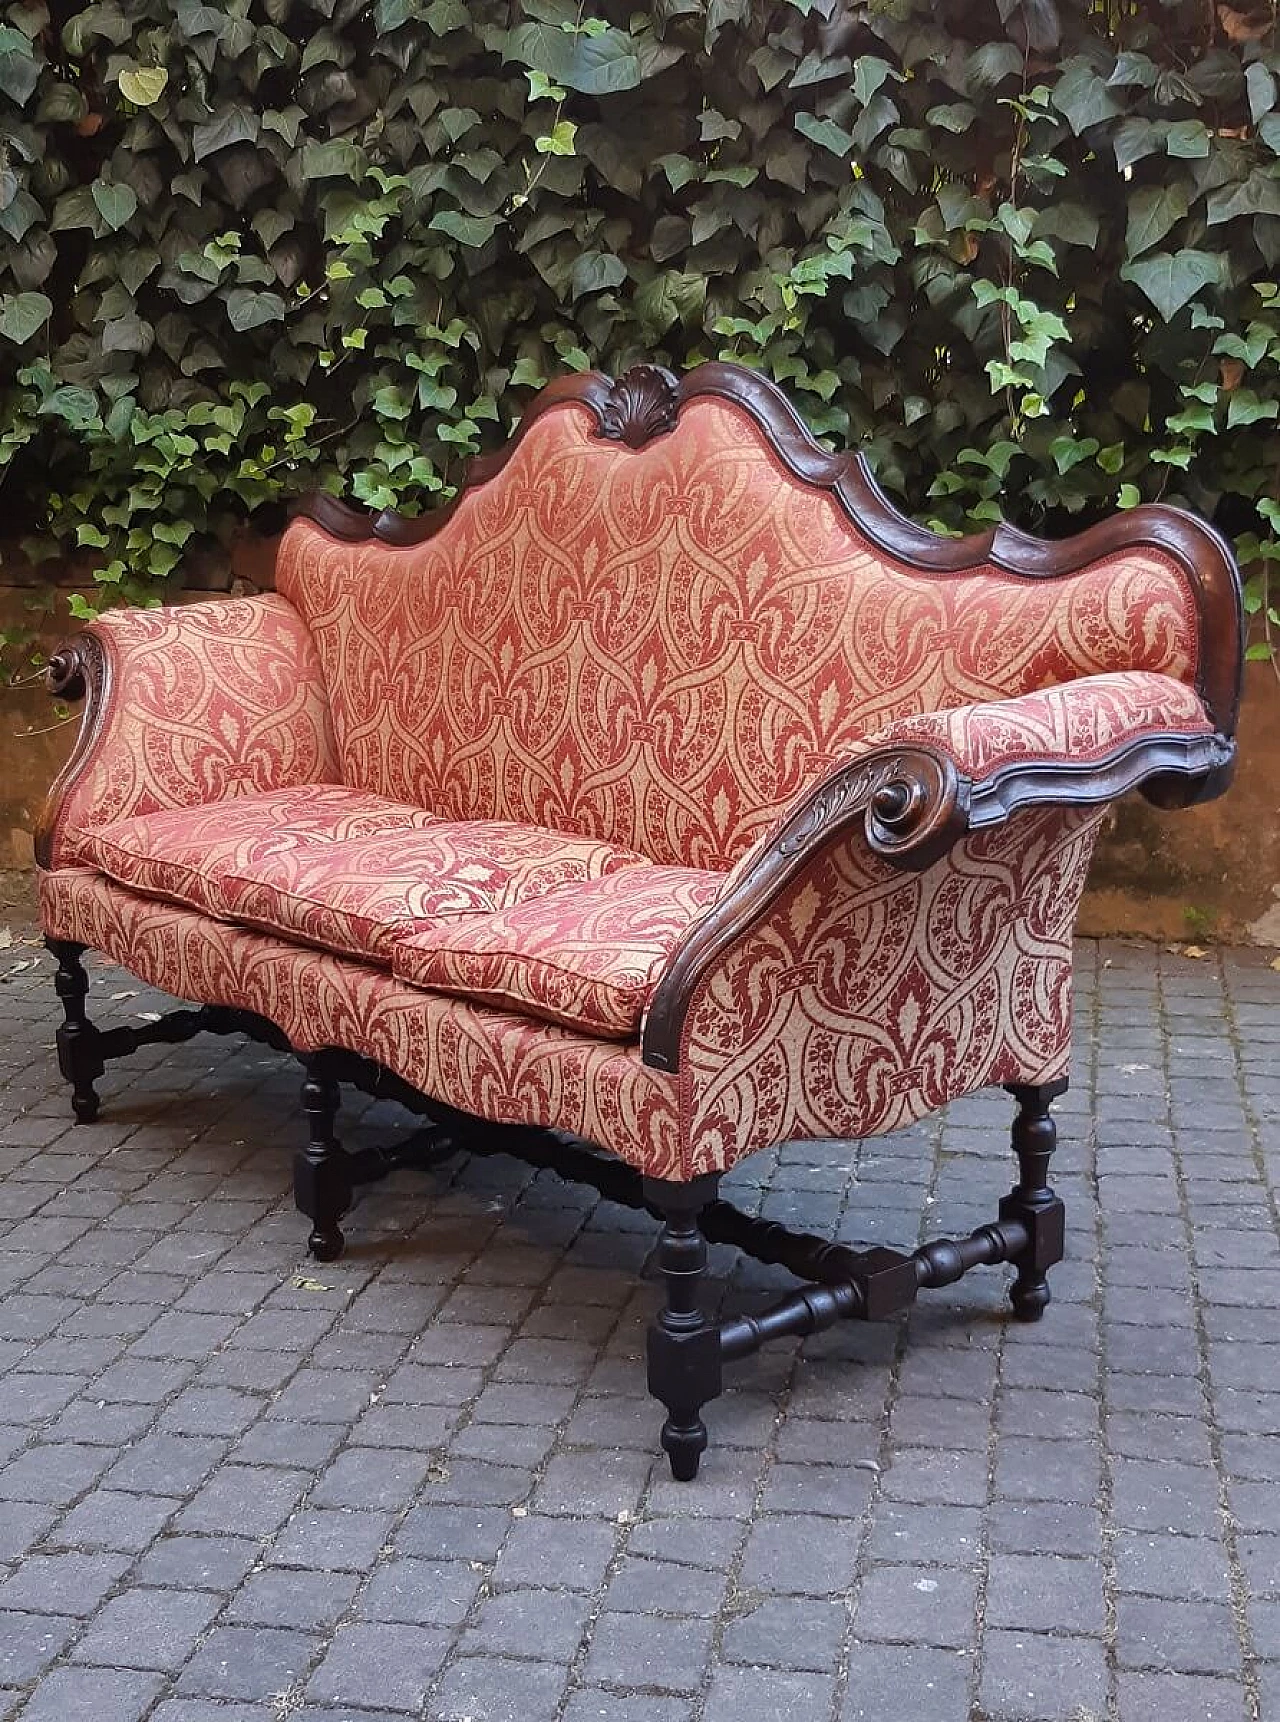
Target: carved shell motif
<point>640,405</point>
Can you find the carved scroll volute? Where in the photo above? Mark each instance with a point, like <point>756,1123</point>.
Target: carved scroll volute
<point>70,670</point>
<point>642,404</point>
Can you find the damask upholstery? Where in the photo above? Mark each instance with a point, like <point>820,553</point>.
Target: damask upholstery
<point>661,647</point>
<point>336,868</point>
<point>207,702</point>
<point>466,804</point>
<point>586,956</point>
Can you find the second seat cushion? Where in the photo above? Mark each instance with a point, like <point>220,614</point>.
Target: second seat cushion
<point>587,956</point>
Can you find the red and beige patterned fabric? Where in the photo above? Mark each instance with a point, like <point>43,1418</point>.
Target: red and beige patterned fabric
<point>190,855</point>
<point>586,956</point>
<point>863,1001</point>
<point>502,1067</point>
<point>868,997</point>
<point>206,702</point>
<point>661,647</point>
<point>360,896</point>
<point>339,869</point>
<point>1083,720</point>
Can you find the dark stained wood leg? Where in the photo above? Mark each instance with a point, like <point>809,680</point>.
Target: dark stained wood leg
<point>1031,1200</point>
<point>684,1347</point>
<point>79,1043</point>
<point>321,1171</point>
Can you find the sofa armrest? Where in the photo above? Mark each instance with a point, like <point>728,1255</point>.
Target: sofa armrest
<point>916,788</point>
<point>185,706</point>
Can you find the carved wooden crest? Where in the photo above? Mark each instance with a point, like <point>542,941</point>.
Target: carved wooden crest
<point>641,404</point>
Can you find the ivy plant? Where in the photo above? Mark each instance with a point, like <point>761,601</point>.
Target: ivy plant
<point>1026,253</point>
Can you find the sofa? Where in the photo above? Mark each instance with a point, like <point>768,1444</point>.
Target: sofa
<point>665,797</point>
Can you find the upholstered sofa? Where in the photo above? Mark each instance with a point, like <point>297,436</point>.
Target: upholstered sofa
<point>666,797</point>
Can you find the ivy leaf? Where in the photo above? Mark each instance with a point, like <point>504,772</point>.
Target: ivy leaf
<point>19,68</point>
<point>1154,209</point>
<point>247,309</point>
<point>232,126</point>
<point>1083,98</point>
<point>114,203</point>
<point>598,64</point>
<point>22,315</point>
<point>470,230</point>
<point>1248,408</point>
<point>669,298</point>
<point>594,271</point>
<point>825,133</point>
<point>1171,279</point>
<point>143,85</point>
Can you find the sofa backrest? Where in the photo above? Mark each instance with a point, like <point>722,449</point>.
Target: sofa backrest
<point>663,609</point>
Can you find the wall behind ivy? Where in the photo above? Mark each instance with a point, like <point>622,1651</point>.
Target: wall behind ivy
<point>1025,252</point>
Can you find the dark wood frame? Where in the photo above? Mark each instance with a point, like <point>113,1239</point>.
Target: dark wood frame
<point>911,805</point>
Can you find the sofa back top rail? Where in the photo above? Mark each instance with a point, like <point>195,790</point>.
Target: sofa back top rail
<point>646,403</point>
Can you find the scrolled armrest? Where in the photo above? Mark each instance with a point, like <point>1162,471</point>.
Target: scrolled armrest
<point>183,706</point>
<point>917,786</point>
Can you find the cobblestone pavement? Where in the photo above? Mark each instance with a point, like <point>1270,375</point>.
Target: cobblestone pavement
<point>422,1481</point>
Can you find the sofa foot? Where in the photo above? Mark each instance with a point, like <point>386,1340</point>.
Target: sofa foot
<point>321,1171</point>
<point>684,1347</point>
<point>79,1043</point>
<point>1031,1200</point>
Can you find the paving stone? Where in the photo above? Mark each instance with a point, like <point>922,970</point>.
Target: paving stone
<point>336,1539</point>
<point>62,1584</point>
<point>544,1624</point>
<point>253,1662</point>
<point>30,1642</point>
<point>884,1682</point>
<point>414,1592</point>
<point>576,1551</point>
<point>916,1605</point>
<point>786,1633</point>
<point>309,1601</point>
<point>464,1514</point>
<point>1187,1637</point>
<point>642,1650</point>
<point>1030,1675</point>
<point>379,1666</point>
<point>147,1629</point>
<point>1045,1593</point>
<point>762,1695</point>
<point>1180,1698</point>
<point>212,1563</point>
<point>105,1694</point>
<point>489,1689</point>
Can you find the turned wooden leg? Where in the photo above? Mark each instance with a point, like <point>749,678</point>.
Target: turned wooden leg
<point>1035,1137</point>
<point>684,1347</point>
<point>321,1171</point>
<point>78,1041</point>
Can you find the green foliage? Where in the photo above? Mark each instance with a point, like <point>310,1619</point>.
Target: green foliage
<point>1023,251</point>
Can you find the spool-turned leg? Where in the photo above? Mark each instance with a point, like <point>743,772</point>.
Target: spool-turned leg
<point>321,1172</point>
<point>1031,1200</point>
<point>684,1347</point>
<point>78,1041</point>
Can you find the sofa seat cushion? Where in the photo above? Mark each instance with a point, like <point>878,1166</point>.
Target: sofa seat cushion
<point>336,868</point>
<point>585,956</point>
<point>360,895</point>
<point>188,854</point>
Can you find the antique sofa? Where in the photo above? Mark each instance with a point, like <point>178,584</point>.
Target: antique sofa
<point>666,797</point>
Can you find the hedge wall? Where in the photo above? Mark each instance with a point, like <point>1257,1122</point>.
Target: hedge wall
<point>1025,252</point>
